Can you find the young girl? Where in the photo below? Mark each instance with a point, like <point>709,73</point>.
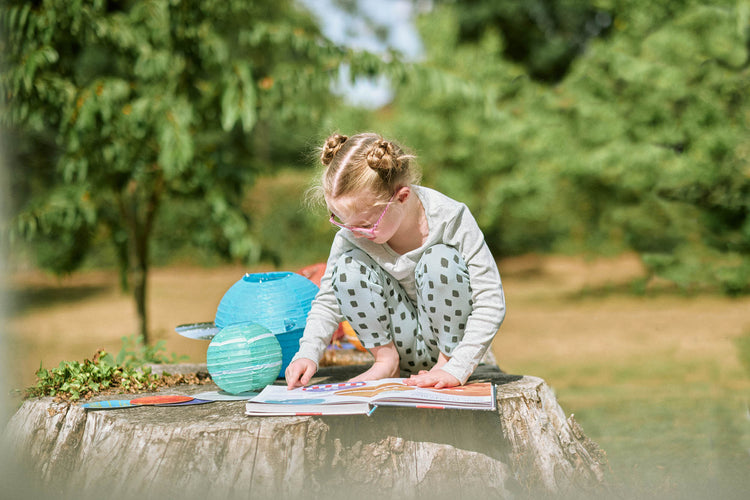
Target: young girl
<point>409,270</point>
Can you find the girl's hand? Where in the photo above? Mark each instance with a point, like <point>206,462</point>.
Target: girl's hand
<point>436,378</point>
<point>299,373</point>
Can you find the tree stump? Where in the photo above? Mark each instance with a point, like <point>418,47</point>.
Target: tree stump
<point>526,447</point>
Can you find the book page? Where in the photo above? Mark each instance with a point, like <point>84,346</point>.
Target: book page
<point>381,392</point>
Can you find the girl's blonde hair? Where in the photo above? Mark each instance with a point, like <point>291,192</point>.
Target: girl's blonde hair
<point>364,162</point>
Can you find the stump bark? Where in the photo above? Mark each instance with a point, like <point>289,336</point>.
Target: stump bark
<point>525,448</point>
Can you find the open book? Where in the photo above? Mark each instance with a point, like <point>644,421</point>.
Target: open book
<point>349,398</point>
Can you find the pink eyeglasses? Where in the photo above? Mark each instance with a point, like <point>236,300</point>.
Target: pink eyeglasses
<point>366,231</point>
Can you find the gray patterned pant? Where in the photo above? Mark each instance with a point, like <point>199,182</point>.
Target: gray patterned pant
<point>380,312</point>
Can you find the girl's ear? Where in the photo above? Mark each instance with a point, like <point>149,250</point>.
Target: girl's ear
<point>403,194</point>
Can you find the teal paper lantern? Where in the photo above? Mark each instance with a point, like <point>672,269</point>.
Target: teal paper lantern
<point>244,357</point>
<point>279,301</point>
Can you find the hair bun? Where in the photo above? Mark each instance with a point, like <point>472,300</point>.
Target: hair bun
<point>331,147</point>
<point>383,157</point>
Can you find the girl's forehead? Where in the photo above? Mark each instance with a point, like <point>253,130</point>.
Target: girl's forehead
<point>353,204</point>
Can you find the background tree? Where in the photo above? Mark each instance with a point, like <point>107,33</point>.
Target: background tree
<point>543,36</point>
<point>116,108</point>
<point>642,144</point>
<point>661,114</point>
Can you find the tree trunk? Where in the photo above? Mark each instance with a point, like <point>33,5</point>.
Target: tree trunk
<point>140,283</point>
<point>139,205</point>
<point>525,448</point>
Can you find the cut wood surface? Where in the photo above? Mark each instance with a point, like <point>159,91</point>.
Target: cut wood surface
<point>526,447</point>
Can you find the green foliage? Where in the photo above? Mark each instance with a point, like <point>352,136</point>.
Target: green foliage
<point>662,135</point>
<point>125,372</point>
<point>544,36</point>
<point>642,145</point>
<point>123,107</point>
<point>293,234</point>
<point>154,118</point>
<point>61,226</point>
<point>73,380</point>
<point>151,100</point>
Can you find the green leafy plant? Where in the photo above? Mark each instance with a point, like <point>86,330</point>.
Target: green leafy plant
<point>128,371</point>
<point>73,380</point>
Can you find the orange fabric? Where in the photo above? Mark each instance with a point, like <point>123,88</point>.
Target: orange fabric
<point>314,272</point>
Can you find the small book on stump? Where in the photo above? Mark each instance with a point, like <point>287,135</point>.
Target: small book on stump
<point>351,398</point>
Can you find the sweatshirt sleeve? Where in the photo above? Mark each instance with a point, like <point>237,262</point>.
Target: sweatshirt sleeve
<point>488,299</point>
<point>325,315</point>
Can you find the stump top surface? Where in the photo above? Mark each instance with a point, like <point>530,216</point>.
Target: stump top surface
<point>223,413</point>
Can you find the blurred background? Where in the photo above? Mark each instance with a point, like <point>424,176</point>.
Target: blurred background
<point>154,151</point>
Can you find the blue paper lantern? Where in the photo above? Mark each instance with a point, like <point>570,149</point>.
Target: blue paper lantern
<point>244,357</point>
<point>279,301</point>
